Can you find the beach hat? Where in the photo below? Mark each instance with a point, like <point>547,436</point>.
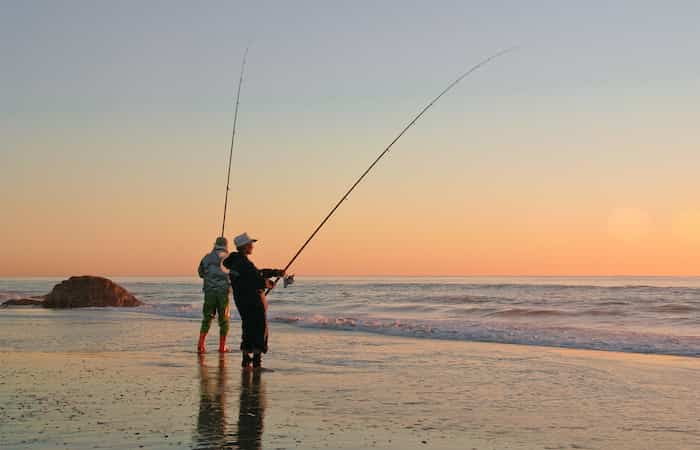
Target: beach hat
<point>221,242</point>
<point>243,239</point>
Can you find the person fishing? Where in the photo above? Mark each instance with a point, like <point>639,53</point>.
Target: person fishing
<point>217,292</point>
<point>249,284</point>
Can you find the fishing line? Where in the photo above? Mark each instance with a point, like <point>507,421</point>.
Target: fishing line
<point>233,138</point>
<point>386,150</point>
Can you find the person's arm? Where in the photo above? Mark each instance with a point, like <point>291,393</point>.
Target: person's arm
<point>201,270</point>
<point>252,275</point>
<point>219,271</point>
<point>228,261</point>
<point>271,273</point>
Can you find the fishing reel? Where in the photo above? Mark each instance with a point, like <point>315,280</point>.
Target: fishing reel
<point>287,280</point>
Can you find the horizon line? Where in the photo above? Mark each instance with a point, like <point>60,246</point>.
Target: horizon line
<point>368,276</point>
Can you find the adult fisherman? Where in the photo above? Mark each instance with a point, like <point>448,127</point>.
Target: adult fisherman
<point>217,293</point>
<point>249,284</point>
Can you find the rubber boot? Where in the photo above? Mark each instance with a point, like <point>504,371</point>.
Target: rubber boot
<point>257,360</point>
<point>200,346</point>
<point>222,344</point>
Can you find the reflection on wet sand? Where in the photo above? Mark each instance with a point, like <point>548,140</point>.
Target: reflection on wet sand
<point>213,429</point>
<point>251,410</point>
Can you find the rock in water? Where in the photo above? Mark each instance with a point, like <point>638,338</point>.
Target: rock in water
<point>84,291</point>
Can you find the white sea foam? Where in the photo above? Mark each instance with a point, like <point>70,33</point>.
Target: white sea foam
<point>505,332</point>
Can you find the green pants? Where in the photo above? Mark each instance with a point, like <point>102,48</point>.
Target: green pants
<point>216,304</point>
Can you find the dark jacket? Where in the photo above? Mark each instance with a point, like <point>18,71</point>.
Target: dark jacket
<point>246,279</point>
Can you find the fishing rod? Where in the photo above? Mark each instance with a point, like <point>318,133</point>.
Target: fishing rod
<point>233,138</point>
<point>386,150</point>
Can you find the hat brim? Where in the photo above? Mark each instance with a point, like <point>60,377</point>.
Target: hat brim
<point>246,243</point>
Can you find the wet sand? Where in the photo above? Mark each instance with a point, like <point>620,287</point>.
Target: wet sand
<point>113,379</point>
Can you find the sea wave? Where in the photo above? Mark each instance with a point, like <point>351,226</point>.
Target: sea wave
<point>566,337</point>
<point>616,314</point>
<point>4,296</point>
<point>528,313</point>
<point>674,308</point>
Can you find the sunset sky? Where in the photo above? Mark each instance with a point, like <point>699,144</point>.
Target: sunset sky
<point>578,154</point>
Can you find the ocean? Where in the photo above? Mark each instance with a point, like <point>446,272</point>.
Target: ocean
<point>659,315</point>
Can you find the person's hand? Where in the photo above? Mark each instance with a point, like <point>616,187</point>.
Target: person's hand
<point>269,284</point>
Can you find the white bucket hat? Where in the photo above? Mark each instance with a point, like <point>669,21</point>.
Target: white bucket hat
<point>243,239</point>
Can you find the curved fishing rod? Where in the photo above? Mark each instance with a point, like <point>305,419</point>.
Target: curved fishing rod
<point>233,138</point>
<point>386,150</point>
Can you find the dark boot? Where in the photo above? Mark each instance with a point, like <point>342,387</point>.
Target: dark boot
<point>257,360</point>
<point>245,362</point>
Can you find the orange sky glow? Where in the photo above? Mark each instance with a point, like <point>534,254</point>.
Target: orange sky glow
<point>575,155</point>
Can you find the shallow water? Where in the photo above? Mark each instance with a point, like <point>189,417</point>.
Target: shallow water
<point>116,379</point>
<point>644,315</point>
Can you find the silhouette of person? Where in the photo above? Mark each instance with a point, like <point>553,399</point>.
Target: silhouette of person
<point>211,422</point>
<point>251,410</point>
<point>212,426</point>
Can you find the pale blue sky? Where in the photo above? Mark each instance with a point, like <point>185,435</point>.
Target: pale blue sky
<point>169,56</point>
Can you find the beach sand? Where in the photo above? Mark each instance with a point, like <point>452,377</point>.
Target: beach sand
<point>88,379</point>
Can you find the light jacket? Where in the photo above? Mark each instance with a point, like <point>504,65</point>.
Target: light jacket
<point>215,277</point>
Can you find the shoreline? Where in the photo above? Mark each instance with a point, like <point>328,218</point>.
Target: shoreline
<point>122,380</point>
<point>311,328</point>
